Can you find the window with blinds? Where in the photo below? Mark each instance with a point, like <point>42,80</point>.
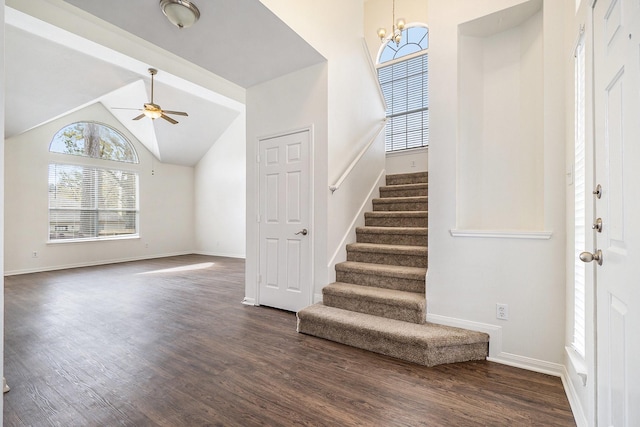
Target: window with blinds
<point>580,230</point>
<point>89,202</point>
<point>405,88</point>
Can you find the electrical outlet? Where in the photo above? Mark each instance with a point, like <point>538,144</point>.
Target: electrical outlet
<point>502,311</point>
<point>34,254</point>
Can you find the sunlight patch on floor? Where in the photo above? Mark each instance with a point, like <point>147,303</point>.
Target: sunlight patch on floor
<point>191,267</point>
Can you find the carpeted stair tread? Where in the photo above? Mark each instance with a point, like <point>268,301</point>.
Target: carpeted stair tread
<point>427,344</point>
<point>407,178</point>
<point>392,304</point>
<point>420,189</point>
<point>414,203</point>
<point>409,236</point>
<point>391,297</point>
<point>388,249</point>
<point>396,219</point>
<point>422,231</point>
<point>394,271</point>
<point>409,199</point>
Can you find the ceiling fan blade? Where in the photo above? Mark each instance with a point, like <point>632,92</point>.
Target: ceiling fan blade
<point>139,117</point>
<point>124,108</point>
<point>169,119</point>
<point>179,113</point>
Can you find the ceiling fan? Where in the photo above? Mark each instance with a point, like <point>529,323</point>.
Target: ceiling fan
<point>153,111</point>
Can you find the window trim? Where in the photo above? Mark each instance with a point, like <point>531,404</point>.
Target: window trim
<point>136,158</point>
<point>96,163</point>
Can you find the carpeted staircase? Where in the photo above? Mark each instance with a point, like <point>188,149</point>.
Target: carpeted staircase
<point>378,302</point>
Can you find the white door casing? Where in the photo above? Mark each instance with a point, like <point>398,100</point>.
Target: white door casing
<point>285,255</point>
<point>616,38</point>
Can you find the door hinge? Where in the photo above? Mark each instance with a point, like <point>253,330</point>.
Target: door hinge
<point>259,278</point>
<point>258,218</point>
<point>257,158</point>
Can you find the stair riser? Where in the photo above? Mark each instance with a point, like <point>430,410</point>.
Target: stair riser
<point>390,192</point>
<point>407,179</point>
<point>415,352</point>
<point>400,206</point>
<point>405,314</point>
<point>400,284</point>
<point>373,221</point>
<point>381,258</point>
<point>392,239</point>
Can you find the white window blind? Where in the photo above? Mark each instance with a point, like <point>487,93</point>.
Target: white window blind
<point>87,202</point>
<point>406,92</point>
<point>580,229</point>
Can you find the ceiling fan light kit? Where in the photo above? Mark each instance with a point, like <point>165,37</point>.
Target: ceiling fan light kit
<point>154,111</point>
<point>181,13</point>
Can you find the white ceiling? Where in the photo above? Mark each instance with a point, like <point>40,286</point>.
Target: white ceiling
<point>50,74</point>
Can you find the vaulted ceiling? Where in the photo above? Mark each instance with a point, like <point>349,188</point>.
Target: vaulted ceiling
<point>50,73</point>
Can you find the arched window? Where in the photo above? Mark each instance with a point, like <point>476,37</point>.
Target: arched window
<point>403,77</point>
<point>89,200</point>
<point>95,140</point>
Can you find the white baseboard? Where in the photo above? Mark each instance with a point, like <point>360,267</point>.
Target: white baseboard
<point>574,402</point>
<point>495,346</point>
<point>249,301</point>
<point>528,363</point>
<point>92,263</point>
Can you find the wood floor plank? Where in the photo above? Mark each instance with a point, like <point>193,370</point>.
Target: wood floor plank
<point>166,342</point>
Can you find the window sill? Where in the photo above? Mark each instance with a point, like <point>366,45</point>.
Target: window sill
<point>407,152</point>
<point>96,239</point>
<point>577,363</point>
<point>502,234</point>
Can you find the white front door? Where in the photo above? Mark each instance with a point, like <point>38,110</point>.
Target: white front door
<point>285,220</point>
<point>616,38</point>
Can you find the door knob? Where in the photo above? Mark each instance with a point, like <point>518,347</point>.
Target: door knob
<point>304,232</point>
<point>597,225</point>
<point>598,191</point>
<point>588,257</point>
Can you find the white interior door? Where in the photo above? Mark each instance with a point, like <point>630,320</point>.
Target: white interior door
<point>616,38</point>
<point>285,214</point>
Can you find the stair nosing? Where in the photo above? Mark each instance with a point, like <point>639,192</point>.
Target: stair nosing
<point>385,296</point>
<point>387,249</point>
<point>406,199</point>
<point>385,270</point>
<point>376,229</point>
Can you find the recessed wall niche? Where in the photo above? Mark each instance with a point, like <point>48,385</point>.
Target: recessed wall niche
<point>501,120</point>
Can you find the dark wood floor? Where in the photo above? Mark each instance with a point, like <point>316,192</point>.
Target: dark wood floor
<point>167,343</point>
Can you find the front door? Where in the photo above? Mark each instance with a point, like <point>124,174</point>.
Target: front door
<point>285,214</point>
<point>616,38</point>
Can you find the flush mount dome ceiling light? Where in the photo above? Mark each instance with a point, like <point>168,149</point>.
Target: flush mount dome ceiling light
<point>181,13</point>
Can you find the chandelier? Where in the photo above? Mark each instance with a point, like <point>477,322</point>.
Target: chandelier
<point>397,27</point>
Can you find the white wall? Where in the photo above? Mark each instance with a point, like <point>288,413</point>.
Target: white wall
<point>220,195</point>
<point>292,102</point>
<point>469,275</point>
<point>500,144</point>
<point>353,109</point>
<point>407,161</point>
<point>166,205</point>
